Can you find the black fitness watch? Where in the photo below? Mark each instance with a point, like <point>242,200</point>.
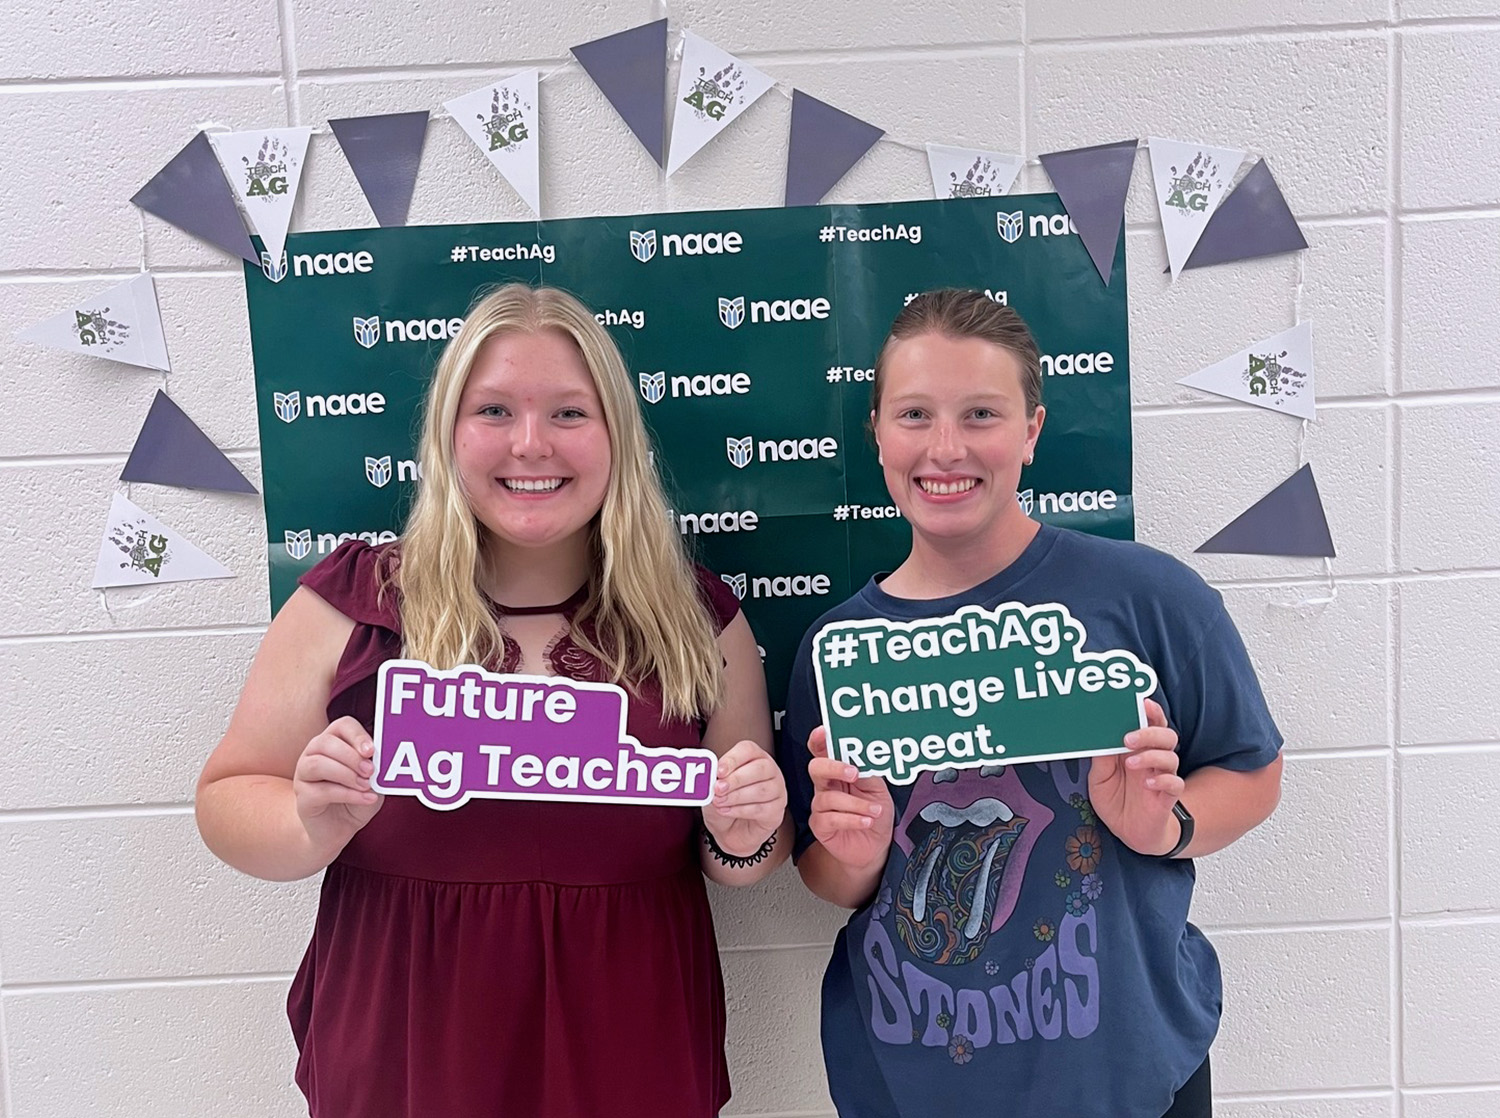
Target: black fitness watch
<point>1185,821</point>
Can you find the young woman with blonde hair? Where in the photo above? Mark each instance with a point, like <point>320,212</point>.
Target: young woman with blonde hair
<point>515,957</point>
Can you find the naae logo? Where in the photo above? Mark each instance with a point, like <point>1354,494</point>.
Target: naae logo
<point>330,263</point>
<point>742,451</point>
<point>643,245</point>
<point>378,471</point>
<point>1009,226</point>
<point>779,586</point>
<point>288,404</point>
<point>367,331</point>
<point>653,386</point>
<point>275,272</point>
<point>1067,364</point>
<point>299,544</point>
<point>1082,500</point>
<point>732,311</point>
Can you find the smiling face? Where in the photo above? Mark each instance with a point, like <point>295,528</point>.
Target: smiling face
<point>530,442</point>
<point>953,433</point>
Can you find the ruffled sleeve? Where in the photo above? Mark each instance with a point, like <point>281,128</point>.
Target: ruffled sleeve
<point>350,581</point>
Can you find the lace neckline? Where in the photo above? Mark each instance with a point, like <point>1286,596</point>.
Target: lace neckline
<point>572,603</point>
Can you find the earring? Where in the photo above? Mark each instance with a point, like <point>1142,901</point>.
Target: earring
<point>1028,459</point>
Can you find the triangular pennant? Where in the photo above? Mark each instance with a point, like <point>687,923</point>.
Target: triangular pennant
<point>1253,220</point>
<point>1092,183</point>
<point>264,168</point>
<point>122,324</point>
<point>139,550</point>
<point>630,69</point>
<point>825,143</point>
<point>969,172</point>
<point>502,119</point>
<point>713,89</point>
<point>384,153</point>
<point>1276,374</point>
<point>1289,520</point>
<point>191,193</point>
<point>172,450</point>
<point>1190,181</point>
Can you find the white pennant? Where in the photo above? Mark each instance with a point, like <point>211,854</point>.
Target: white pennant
<point>139,550</point>
<point>1191,180</point>
<point>122,324</point>
<point>502,119</point>
<point>264,167</point>
<point>1276,374</point>
<point>713,89</point>
<point>971,173</point>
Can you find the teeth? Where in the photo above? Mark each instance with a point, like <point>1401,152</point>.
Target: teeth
<point>981,813</point>
<point>944,488</point>
<point>518,485</point>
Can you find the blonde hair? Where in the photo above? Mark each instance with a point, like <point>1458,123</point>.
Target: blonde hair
<point>642,598</point>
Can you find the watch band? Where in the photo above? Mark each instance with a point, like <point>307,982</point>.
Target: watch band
<point>1185,821</point>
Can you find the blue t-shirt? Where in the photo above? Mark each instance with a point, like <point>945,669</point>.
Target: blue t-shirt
<point>1017,959</point>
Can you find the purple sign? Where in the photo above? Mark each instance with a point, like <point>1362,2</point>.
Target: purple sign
<point>447,737</point>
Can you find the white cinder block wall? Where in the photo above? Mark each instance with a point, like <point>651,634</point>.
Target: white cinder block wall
<point>1360,930</point>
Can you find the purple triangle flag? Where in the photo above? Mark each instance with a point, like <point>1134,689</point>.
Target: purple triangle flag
<point>1092,183</point>
<point>1253,220</point>
<point>190,192</point>
<point>384,152</point>
<point>630,69</point>
<point>825,143</point>
<point>172,450</point>
<point>1289,520</point>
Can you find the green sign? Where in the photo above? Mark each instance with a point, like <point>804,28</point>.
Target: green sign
<point>977,687</point>
<point>751,336</point>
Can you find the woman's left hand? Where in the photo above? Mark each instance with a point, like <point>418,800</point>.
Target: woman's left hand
<point>749,800</point>
<point>1133,793</point>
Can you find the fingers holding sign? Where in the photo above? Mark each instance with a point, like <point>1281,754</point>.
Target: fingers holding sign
<point>331,782</point>
<point>852,816</point>
<point>1133,793</point>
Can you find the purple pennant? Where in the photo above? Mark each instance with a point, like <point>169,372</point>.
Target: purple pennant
<point>1289,520</point>
<point>1092,183</point>
<point>190,192</point>
<point>825,143</point>
<point>172,450</point>
<point>1253,220</point>
<point>384,152</point>
<point>630,69</point>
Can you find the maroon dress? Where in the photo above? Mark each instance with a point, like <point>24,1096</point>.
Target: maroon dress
<point>509,958</point>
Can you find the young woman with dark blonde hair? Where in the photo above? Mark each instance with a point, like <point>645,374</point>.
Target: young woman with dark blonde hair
<point>510,957</point>
<point>1020,943</point>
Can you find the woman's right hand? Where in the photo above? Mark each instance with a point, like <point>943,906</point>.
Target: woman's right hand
<point>331,783</point>
<point>852,816</point>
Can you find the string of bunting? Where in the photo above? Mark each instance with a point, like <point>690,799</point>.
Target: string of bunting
<point>225,185</point>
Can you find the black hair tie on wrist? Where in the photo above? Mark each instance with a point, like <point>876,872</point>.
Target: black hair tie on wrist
<point>731,860</point>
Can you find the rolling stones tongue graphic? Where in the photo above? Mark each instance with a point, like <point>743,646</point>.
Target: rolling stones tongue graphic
<point>967,835</point>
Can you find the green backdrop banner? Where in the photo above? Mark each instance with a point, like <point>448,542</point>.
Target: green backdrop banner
<point>751,335</point>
